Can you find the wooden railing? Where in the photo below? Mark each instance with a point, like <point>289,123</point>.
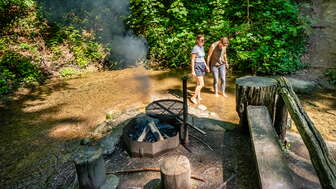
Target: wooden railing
<point>323,163</point>
<point>279,98</point>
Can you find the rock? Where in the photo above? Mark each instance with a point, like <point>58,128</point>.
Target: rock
<point>302,86</point>
<point>202,107</point>
<point>213,115</point>
<point>199,113</point>
<point>109,142</point>
<point>100,129</point>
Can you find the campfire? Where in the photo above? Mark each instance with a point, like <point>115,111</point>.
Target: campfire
<point>156,132</point>
<point>162,128</point>
<point>152,130</point>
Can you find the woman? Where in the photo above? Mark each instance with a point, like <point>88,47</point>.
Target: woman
<point>198,67</point>
<point>218,62</point>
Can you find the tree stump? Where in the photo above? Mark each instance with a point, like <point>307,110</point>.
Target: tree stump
<point>175,173</point>
<point>252,90</point>
<point>90,168</point>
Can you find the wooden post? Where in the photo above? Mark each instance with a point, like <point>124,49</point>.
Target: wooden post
<point>90,168</point>
<point>281,118</point>
<point>175,173</point>
<point>185,110</point>
<point>253,90</point>
<point>324,164</point>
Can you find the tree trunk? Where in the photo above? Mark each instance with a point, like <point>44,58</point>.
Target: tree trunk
<point>90,168</point>
<point>323,163</point>
<point>175,173</point>
<point>251,90</point>
<point>281,118</point>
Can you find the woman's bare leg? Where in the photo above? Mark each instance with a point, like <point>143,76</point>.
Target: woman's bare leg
<point>199,85</point>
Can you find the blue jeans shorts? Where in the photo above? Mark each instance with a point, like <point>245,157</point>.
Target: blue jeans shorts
<point>200,68</point>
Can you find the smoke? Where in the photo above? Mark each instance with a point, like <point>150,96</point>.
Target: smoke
<point>128,49</point>
<point>106,18</point>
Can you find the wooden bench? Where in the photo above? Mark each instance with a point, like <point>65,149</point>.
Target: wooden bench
<point>272,167</point>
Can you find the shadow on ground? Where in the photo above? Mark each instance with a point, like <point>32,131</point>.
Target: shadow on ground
<point>24,137</point>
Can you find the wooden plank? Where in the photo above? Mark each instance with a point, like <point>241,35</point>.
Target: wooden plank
<point>272,167</point>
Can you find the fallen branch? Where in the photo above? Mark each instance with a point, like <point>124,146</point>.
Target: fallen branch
<point>330,113</point>
<point>201,141</point>
<point>147,169</point>
<point>224,183</point>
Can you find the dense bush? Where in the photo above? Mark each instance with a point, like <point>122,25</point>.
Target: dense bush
<point>84,47</point>
<point>16,69</point>
<point>28,41</point>
<point>266,37</point>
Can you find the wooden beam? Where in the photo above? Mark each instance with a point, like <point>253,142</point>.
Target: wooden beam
<point>272,167</point>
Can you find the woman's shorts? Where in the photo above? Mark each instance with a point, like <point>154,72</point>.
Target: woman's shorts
<point>200,68</point>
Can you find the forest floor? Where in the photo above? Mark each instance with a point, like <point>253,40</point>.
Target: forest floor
<point>52,117</point>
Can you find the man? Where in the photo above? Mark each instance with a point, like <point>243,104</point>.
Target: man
<point>218,62</point>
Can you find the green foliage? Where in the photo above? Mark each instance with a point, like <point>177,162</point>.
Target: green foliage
<point>331,74</point>
<point>84,48</point>
<point>15,69</point>
<point>23,3</point>
<point>68,71</point>
<point>27,42</point>
<point>269,39</point>
<point>10,10</point>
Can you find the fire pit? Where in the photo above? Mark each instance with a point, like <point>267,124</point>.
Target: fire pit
<point>155,133</point>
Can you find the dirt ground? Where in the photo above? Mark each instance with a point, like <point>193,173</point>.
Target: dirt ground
<point>52,118</point>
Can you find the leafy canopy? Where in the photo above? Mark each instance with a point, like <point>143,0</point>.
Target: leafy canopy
<point>265,37</point>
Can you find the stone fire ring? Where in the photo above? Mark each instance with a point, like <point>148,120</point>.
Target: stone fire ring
<point>147,149</point>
